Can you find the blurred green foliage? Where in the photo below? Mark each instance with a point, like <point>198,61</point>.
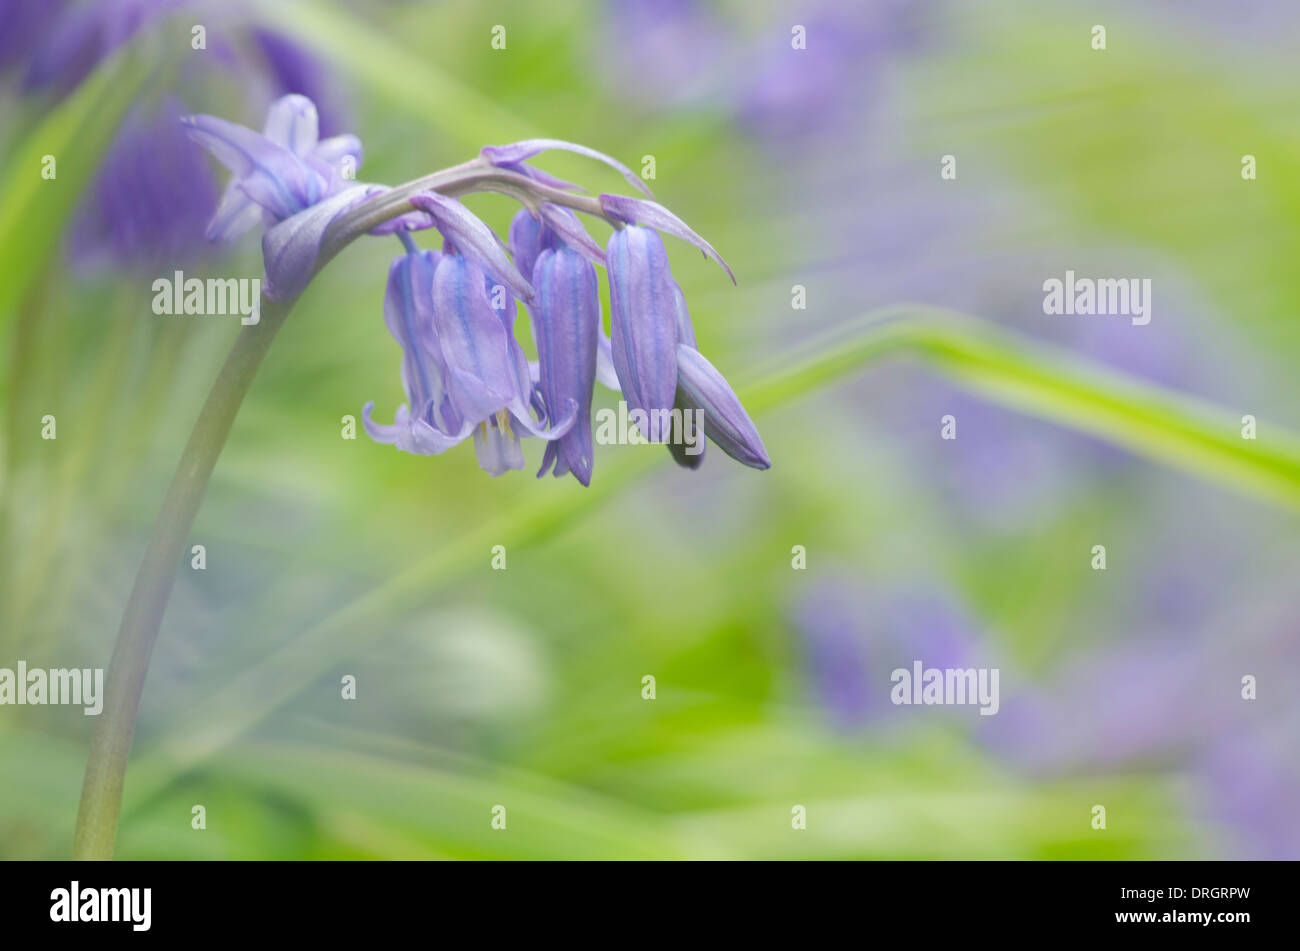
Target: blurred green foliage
<point>329,557</point>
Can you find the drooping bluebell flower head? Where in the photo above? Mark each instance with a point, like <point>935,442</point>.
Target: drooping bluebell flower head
<point>452,312</point>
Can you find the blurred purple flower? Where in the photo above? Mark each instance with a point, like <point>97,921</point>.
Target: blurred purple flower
<point>833,80</point>
<point>854,639</point>
<point>1173,701</point>
<point>924,242</point>
<point>84,35</point>
<point>663,51</point>
<point>151,197</point>
<point>1262,23</point>
<point>1250,783</point>
<point>1135,704</point>
<point>20,22</point>
<point>295,70</point>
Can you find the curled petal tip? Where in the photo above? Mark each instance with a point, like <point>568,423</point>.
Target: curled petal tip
<point>292,123</point>
<point>702,387</point>
<point>654,215</point>
<point>570,229</point>
<point>473,238</point>
<point>270,174</point>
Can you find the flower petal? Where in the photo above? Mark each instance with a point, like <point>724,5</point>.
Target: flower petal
<point>497,447</point>
<point>269,174</point>
<point>725,420</point>
<point>337,151</point>
<point>685,329</point>
<point>422,439</point>
<point>566,327</point>
<point>410,434</point>
<point>482,375</point>
<point>237,214</point>
<point>408,312</point>
<point>643,320</point>
<point>380,432</point>
<point>472,238</point>
<point>290,249</point>
<point>565,224</point>
<point>606,375</point>
<point>655,215</point>
<point>292,123</point>
<point>525,241</point>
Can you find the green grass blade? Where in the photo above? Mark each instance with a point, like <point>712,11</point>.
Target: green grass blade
<point>1176,429</point>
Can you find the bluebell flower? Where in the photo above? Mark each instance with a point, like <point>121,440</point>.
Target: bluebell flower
<point>453,312</point>
<point>557,252</point>
<point>285,178</point>
<point>790,95</point>
<point>652,342</point>
<point>151,197</point>
<point>460,226</point>
<point>566,329</point>
<point>462,370</point>
<point>525,240</point>
<point>279,172</point>
<point>664,51</point>
<point>643,329</point>
<point>700,386</point>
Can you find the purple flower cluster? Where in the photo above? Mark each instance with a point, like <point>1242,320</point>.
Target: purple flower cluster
<point>453,311</point>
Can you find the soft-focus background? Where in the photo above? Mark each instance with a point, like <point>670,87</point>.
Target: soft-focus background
<point>475,688</point>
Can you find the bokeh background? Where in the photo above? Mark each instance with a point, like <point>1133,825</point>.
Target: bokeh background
<point>820,167</point>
